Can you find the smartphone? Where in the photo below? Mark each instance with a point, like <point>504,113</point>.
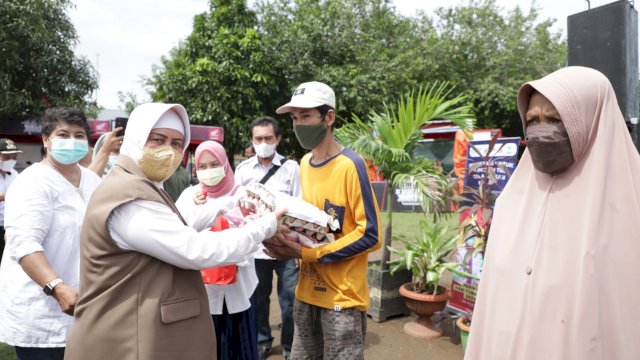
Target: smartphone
<point>121,122</point>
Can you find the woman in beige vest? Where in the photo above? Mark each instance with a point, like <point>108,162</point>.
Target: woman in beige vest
<point>141,294</point>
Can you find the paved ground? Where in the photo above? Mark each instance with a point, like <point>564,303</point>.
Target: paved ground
<point>386,340</point>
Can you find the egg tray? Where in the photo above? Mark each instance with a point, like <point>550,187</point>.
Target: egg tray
<point>307,233</point>
<point>304,232</point>
<point>263,200</point>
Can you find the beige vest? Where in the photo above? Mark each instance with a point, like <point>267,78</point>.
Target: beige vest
<point>131,305</point>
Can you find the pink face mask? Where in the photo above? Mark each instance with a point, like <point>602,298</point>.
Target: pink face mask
<point>549,146</point>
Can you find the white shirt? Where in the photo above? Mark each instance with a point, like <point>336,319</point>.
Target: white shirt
<point>237,295</point>
<point>44,212</point>
<point>5,182</point>
<point>285,180</point>
<point>154,229</point>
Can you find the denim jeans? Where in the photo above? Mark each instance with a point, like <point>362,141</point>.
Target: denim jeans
<point>287,273</point>
<point>30,353</point>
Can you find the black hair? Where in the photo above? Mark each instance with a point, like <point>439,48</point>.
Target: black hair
<point>265,121</point>
<point>248,144</point>
<point>72,116</point>
<point>324,109</point>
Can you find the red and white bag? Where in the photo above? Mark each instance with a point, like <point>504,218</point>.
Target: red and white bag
<point>220,275</point>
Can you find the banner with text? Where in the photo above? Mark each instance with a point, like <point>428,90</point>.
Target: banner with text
<point>503,158</point>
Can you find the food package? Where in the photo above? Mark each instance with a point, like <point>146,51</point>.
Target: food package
<point>310,226</point>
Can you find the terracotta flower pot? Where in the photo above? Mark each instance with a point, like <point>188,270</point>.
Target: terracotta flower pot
<point>424,305</point>
<point>464,331</point>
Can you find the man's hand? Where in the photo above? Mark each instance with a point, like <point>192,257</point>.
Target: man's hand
<point>280,248</point>
<point>66,296</point>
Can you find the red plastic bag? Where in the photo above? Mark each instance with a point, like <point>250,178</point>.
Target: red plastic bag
<point>220,275</point>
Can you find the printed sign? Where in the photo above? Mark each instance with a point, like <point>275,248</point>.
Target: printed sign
<point>215,133</point>
<point>505,155</point>
<point>99,127</point>
<point>408,195</point>
<point>200,133</point>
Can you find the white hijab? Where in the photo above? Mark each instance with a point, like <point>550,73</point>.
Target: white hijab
<point>561,277</point>
<point>142,120</point>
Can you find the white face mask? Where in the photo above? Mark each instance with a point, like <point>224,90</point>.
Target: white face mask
<point>211,176</point>
<point>7,165</point>
<point>265,150</point>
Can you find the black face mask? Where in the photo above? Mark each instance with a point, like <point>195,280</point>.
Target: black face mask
<point>549,147</point>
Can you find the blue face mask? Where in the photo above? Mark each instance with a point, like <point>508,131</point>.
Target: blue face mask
<point>69,151</point>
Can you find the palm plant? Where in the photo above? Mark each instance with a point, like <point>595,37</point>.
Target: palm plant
<point>426,257</point>
<point>389,138</point>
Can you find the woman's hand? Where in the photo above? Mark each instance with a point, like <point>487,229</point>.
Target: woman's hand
<point>37,267</point>
<point>112,142</point>
<point>66,296</point>
<point>199,198</point>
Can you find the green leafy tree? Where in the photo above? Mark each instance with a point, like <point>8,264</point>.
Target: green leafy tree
<point>38,67</point>
<point>239,63</point>
<point>217,73</point>
<point>489,54</point>
<point>362,48</point>
<point>388,139</point>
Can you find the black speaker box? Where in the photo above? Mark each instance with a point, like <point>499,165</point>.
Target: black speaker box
<point>606,38</point>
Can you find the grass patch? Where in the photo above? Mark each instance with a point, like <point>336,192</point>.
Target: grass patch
<point>406,227</point>
<point>405,224</point>
<point>7,352</point>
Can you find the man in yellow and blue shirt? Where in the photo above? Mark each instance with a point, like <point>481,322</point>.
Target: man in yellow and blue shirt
<point>332,295</point>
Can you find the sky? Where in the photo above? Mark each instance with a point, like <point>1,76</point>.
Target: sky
<point>125,38</point>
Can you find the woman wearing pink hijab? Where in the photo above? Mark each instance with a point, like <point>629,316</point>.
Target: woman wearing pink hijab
<point>233,315</point>
<point>560,279</point>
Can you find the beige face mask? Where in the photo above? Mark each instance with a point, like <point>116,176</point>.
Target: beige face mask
<point>159,163</point>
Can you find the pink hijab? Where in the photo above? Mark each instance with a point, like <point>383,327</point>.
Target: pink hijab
<point>561,275</point>
<point>228,185</point>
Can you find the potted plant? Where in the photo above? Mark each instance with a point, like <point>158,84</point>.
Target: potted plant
<point>464,325</point>
<point>426,258</point>
<point>388,140</point>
